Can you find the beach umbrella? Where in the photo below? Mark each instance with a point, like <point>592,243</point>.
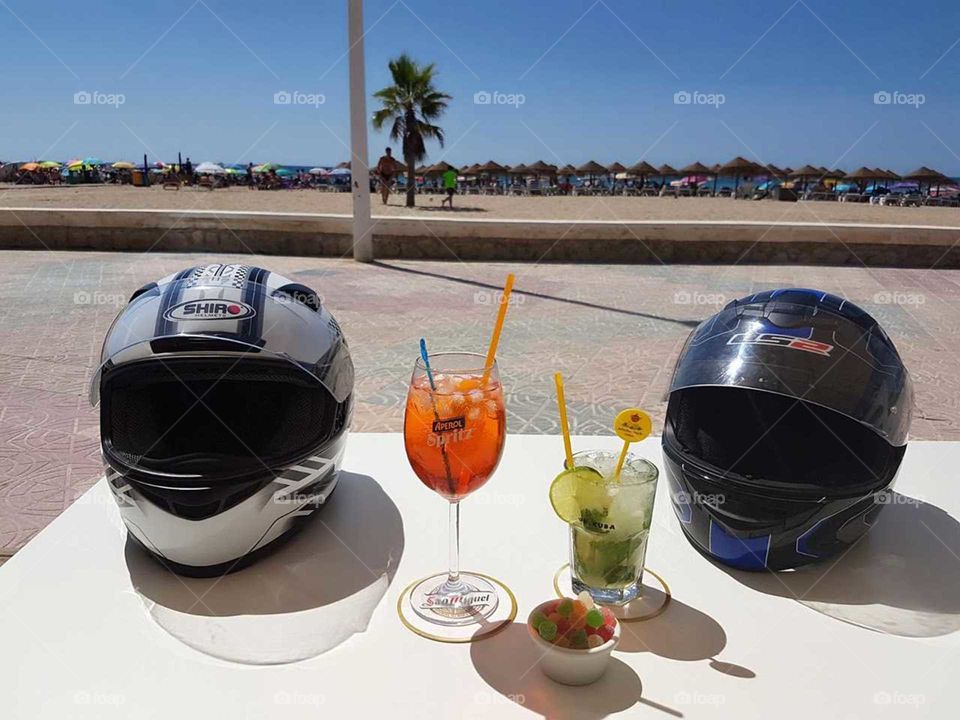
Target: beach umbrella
<point>520,169</point>
<point>49,164</point>
<point>807,171</point>
<point>689,180</point>
<point>345,165</point>
<point>491,167</point>
<point>231,171</point>
<point>740,167</point>
<point>775,172</point>
<point>926,175</point>
<point>30,166</point>
<point>696,168</point>
<point>567,170</point>
<point>123,165</point>
<point>439,169</point>
<point>285,172</point>
<point>542,168</point>
<point>614,168</point>
<point>471,170</point>
<point>862,176</point>
<point>667,171</point>
<point>317,171</point>
<point>642,168</point>
<point>93,161</point>
<point>591,168</point>
<point>208,168</point>
<point>339,172</point>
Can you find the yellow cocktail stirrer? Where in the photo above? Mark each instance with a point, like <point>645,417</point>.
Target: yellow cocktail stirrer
<point>495,339</point>
<point>564,426</point>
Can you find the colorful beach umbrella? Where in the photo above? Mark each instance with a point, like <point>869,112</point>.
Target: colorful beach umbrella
<point>49,164</point>
<point>123,165</point>
<point>30,167</point>
<point>209,168</point>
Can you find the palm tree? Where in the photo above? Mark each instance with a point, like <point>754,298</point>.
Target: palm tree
<point>412,103</point>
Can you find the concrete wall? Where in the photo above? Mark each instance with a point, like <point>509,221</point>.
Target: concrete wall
<point>469,239</point>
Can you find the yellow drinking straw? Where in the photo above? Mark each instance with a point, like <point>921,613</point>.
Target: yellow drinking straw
<point>495,340</point>
<point>564,426</point>
<point>630,425</point>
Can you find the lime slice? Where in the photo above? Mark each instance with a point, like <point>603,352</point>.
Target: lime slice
<point>569,490</point>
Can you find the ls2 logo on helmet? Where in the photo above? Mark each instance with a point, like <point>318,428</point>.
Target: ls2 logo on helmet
<point>787,341</point>
<point>210,310</point>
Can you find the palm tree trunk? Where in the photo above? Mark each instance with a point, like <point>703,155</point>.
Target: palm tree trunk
<point>410,159</point>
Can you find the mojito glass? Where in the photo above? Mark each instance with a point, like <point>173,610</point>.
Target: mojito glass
<point>608,543</point>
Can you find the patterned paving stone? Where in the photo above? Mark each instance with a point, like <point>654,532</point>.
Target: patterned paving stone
<point>613,330</point>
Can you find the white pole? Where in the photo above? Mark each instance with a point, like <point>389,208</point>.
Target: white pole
<point>359,168</point>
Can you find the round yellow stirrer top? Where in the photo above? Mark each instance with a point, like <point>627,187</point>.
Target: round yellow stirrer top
<point>630,425</point>
<point>495,339</point>
<point>564,427</point>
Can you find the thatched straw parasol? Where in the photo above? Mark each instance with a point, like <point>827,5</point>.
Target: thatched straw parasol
<point>666,171</point>
<point>520,169</point>
<point>541,168</point>
<point>492,168</point>
<point>642,168</point>
<point>862,176</point>
<point>931,177</point>
<point>740,167</point>
<point>567,170</point>
<point>696,168</point>
<point>439,169</point>
<point>614,168</point>
<point>591,168</point>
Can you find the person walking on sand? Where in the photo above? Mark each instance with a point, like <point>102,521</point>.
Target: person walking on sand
<point>387,170</point>
<point>250,176</point>
<point>450,185</point>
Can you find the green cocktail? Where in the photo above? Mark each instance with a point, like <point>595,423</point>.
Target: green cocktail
<point>609,521</point>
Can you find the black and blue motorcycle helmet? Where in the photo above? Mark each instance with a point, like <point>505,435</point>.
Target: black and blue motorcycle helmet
<point>786,424</point>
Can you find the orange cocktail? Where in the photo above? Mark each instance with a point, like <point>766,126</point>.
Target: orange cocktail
<point>454,434</point>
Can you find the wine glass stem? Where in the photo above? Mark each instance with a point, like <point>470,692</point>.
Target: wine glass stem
<point>454,576</point>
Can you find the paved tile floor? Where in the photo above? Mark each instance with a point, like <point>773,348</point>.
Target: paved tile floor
<point>614,331</point>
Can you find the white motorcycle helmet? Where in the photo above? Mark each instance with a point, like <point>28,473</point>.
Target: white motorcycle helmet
<point>225,397</point>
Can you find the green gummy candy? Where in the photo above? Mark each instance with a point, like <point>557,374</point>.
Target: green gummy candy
<point>565,607</point>
<point>594,618</point>
<point>547,630</point>
<point>578,639</point>
<point>537,618</point>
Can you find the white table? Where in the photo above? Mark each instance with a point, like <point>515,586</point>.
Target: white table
<point>77,640</point>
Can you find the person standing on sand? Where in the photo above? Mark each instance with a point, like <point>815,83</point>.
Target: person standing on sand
<point>250,176</point>
<point>387,170</point>
<point>450,185</point>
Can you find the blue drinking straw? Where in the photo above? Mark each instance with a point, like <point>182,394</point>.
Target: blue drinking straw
<point>426,362</point>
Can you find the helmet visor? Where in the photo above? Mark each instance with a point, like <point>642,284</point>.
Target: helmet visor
<point>212,415</point>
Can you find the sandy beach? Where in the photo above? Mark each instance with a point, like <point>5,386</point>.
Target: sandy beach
<point>474,206</point>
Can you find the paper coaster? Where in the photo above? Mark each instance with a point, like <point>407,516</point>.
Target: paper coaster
<point>505,613</point>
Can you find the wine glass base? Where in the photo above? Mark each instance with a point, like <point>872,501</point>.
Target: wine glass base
<point>470,610</point>
<point>652,599</point>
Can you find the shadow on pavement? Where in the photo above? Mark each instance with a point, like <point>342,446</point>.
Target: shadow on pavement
<point>528,293</point>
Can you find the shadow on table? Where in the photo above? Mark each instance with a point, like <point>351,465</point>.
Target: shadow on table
<point>310,595</point>
<point>899,579</point>
<point>508,661</point>
<point>682,633</point>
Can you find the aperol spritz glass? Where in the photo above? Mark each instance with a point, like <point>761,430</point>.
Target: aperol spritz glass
<point>454,429</point>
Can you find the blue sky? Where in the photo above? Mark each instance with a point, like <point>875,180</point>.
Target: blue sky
<point>774,80</point>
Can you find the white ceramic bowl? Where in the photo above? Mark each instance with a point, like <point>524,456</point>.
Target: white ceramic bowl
<point>568,666</point>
